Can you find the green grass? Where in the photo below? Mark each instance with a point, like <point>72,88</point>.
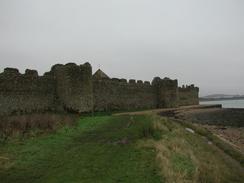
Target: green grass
<point>99,149</point>
<point>110,149</point>
<point>228,149</point>
<point>183,163</point>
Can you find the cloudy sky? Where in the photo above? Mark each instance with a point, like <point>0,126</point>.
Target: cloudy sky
<point>195,41</point>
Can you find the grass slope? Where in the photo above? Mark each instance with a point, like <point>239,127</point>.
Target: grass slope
<point>190,157</point>
<point>99,149</point>
<point>137,148</point>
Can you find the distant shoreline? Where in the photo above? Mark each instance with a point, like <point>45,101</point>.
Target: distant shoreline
<point>220,99</point>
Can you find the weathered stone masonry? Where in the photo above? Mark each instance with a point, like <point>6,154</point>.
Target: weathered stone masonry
<point>72,88</point>
<point>188,95</point>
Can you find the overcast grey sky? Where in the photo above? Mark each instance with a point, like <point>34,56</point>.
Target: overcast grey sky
<point>195,41</point>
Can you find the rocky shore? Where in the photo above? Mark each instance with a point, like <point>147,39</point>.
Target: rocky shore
<point>227,124</point>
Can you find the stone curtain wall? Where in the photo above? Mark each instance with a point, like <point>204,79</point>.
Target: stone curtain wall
<point>25,93</point>
<point>71,88</point>
<point>118,94</point>
<point>65,88</point>
<point>188,95</point>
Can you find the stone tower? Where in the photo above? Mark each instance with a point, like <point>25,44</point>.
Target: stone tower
<point>74,90</point>
<point>166,92</point>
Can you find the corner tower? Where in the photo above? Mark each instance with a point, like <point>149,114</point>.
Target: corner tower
<point>74,92</point>
<point>166,92</point>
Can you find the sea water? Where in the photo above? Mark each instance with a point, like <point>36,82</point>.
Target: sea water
<point>227,103</point>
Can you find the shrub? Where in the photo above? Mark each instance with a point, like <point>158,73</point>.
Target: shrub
<point>21,125</point>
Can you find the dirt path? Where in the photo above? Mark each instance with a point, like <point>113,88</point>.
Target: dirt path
<point>151,111</point>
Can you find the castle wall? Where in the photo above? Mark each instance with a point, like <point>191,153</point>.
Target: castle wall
<point>188,95</point>
<point>74,87</point>
<point>118,94</point>
<point>166,91</point>
<point>25,93</point>
<point>71,88</point>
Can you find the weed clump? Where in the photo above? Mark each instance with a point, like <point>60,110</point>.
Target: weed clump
<point>32,124</point>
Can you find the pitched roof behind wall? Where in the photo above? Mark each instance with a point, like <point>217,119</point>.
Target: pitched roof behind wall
<point>99,74</point>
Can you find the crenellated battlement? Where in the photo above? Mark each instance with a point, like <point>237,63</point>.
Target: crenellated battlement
<point>31,73</point>
<point>11,72</point>
<point>188,95</point>
<point>185,87</point>
<point>72,88</point>
<point>124,81</point>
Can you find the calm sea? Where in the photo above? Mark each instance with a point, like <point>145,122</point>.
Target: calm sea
<point>227,103</point>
